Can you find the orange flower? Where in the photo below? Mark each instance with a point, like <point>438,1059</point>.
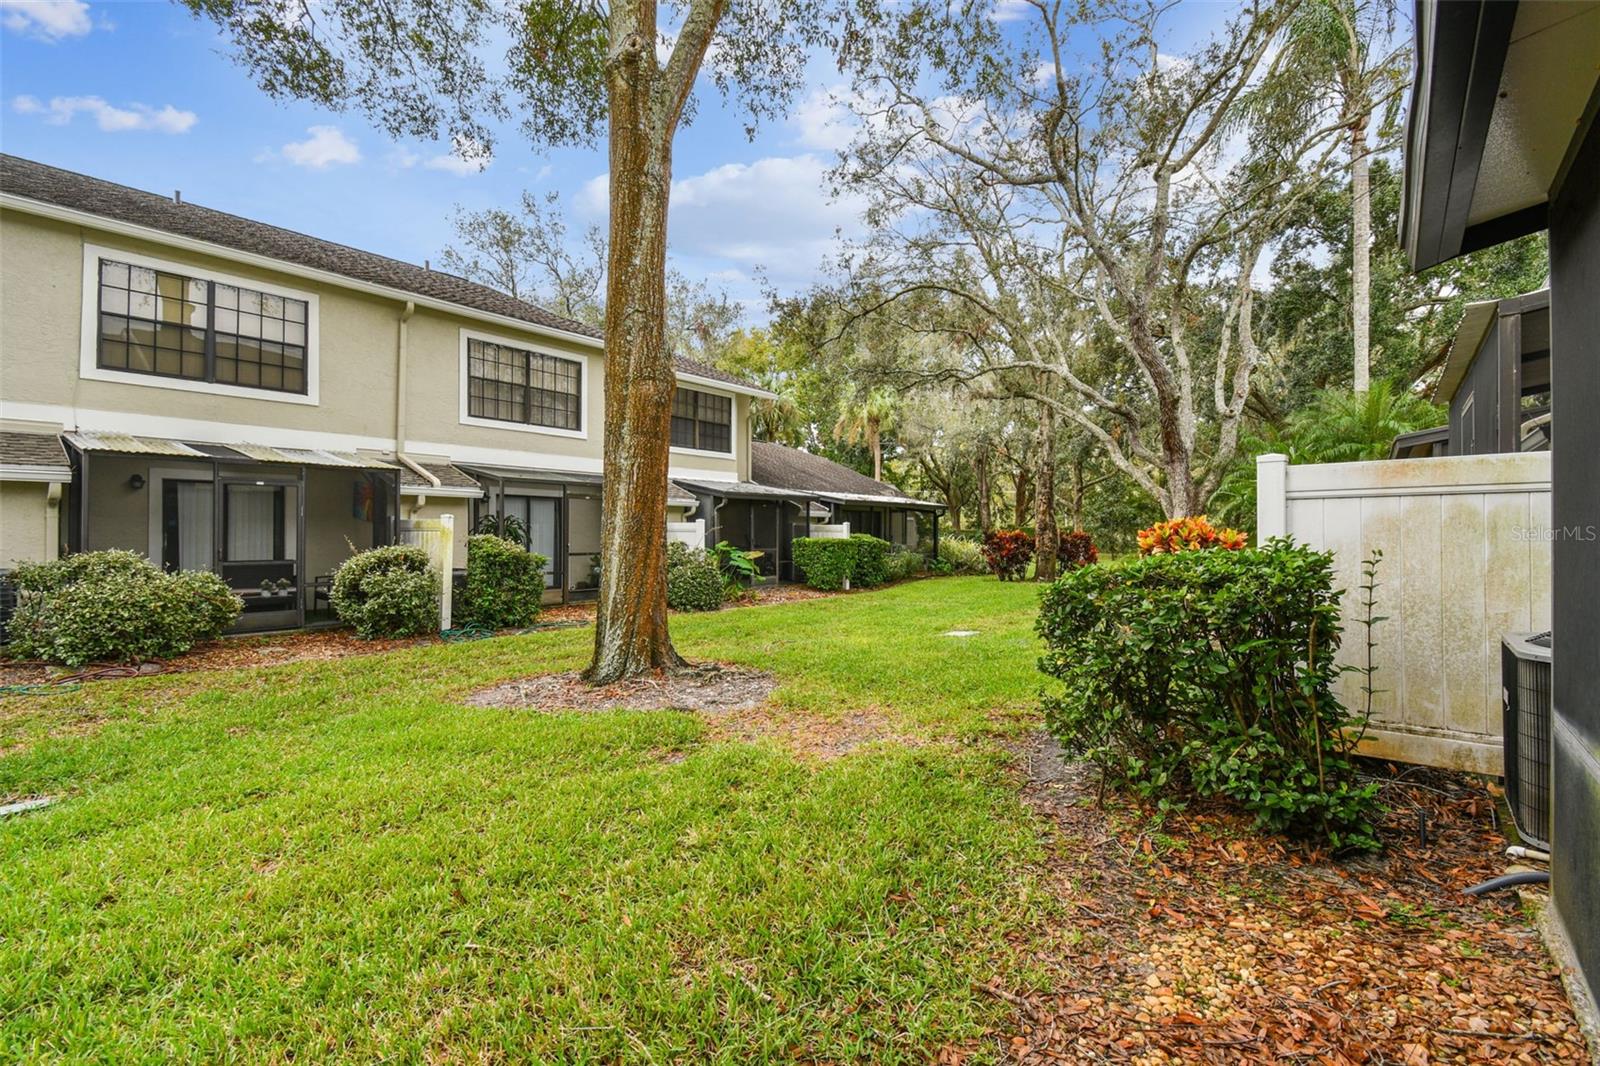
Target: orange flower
<point>1192,533</point>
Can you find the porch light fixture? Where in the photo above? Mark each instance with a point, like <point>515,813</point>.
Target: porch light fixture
<point>136,482</point>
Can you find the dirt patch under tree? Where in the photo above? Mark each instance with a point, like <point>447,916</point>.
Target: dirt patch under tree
<point>708,687</point>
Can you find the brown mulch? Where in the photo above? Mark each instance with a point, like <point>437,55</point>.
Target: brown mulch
<point>1202,941</point>
<point>710,687</point>
<point>244,652</point>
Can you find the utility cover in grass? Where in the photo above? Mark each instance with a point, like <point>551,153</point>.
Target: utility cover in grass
<point>961,633</point>
<point>710,687</point>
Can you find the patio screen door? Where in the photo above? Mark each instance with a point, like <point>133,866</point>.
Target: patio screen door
<point>186,524</point>
<point>541,517</point>
<point>260,531</point>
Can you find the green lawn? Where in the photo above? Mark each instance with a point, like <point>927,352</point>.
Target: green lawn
<point>340,861</point>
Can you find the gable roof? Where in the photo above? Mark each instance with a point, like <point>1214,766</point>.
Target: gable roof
<point>798,471</point>
<point>120,203</point>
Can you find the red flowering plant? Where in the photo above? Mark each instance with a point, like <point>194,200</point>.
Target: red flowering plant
<point>1195,533</point>
<point>1008,553</point>
<point>1077,549</point>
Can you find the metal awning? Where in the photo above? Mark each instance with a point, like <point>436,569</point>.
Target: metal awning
<point>127,444</point>
<point>744,490</point>
<point>528,473</point>
<point>894,503</point>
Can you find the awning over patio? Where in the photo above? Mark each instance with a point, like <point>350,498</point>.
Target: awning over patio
<point>127,444</point>
<point>33,457</point>
<point>540,475</point>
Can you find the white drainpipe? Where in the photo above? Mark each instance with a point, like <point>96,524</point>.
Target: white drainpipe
<point>400,404</point>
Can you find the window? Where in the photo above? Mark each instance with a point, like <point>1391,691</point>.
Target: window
<point>157,322</point>
<point>509,384</point>
<point>702,420</point>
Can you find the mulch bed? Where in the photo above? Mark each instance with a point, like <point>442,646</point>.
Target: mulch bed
<point>245,652</point>
<point>710,687</point>
<point>1201,941</point>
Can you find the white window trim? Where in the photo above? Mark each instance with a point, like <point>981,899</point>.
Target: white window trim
<point>89,333</point>
<point>732,454</point>
<point>522,344</point>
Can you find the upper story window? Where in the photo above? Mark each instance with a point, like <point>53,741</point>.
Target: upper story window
<point>156,322</point>
<point>509,384</point>
<point>702,421</point>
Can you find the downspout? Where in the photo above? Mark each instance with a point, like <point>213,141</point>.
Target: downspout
<point>400,403</point>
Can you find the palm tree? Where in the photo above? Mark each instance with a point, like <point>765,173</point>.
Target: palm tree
<point>864,418</point>
<point>1346,426</point>
<point>1330,45</point>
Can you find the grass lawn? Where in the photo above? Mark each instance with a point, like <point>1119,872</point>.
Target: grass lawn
<point>341,861</point>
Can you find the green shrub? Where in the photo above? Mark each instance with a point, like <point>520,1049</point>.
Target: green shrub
<point>505,583</point>
<point>114,606</point>
<point>1008,553</point>
<point>960,555</point>
<point>387,592</point>
<point>871,561</point>
<point>902,564</point>
<point>1211,672</point>
<point>694,581</point>
<point>825,562</point>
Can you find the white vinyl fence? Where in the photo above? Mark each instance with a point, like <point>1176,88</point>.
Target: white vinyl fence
<point>690,534</point>
<point>437,537</point>
<point>839,531</point>
<point>1466,559</point>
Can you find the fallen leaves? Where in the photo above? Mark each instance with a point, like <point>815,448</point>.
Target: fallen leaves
<point>1203,942</point>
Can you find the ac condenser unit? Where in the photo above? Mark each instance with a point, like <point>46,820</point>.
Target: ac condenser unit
<point>1525,692</point>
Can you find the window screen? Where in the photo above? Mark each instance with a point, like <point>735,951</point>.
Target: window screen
<point>515,385</point>
<point>168,325</point>
<point>702,420</point>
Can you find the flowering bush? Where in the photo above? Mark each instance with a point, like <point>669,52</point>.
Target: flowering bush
<point>1194,533</point>
<point>1008,552</point>
<point>1212,674</point>
<point>1077,549</point>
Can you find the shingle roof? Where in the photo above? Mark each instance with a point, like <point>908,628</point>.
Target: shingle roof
<point>450,477</point>
<point>79,192</point>
<point>790,468</point>
<point>19,448</point>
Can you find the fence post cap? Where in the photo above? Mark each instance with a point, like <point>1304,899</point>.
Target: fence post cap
<point>1271,457</point>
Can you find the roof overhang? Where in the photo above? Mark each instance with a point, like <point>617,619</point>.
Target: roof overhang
<point>1476,321</point>
<point>1431,435</point>
<point>167,448</point>
<point>1502,93</point>
<point>725,386</point>
<point>536,475</point>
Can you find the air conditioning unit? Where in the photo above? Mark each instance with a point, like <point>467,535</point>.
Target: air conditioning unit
<point>1525,692</point>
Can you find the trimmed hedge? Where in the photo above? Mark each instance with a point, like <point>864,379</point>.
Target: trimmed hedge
<point>114,606</point>
<point>387,592</point>
<point>694,581</point>
<point>505,583</point>
<point>1211,672</point>
<point>828,562</point>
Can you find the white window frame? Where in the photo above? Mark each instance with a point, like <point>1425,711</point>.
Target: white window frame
<point>732,454</point>
<point>525,345</point>
<point>89,366</point>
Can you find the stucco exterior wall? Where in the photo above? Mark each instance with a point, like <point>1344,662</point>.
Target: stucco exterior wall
<point>28,523</point>
<point>41,335</point>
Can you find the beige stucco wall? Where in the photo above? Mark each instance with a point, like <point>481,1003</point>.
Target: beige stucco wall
<point>41,310</point>
<point>28,523</point>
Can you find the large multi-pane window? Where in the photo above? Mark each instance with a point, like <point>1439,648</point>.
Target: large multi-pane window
<point>156,322</point>
<point>702,420</point>
<point>510,384</point>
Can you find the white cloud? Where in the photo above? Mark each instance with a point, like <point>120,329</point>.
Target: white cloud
<point>326,146</point>
<point>776,214</point>
<point>48,20</point>
<point>1012,10</point>
<point>465,158</point>
<point>825,121</point>
<point>61,110</point>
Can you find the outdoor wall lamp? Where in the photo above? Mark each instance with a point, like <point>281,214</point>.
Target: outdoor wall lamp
<point>136,482</point>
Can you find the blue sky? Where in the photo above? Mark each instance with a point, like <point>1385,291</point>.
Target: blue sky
<point>143,94</point>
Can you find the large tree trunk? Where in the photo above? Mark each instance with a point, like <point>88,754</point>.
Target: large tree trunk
<point>875,443</point>
<point>1046,538</point>
<point>1360,255</point>
<point>985,521</point>
<point>1077,494</point>
<point>1022,498</point>
<point>630,636</point>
